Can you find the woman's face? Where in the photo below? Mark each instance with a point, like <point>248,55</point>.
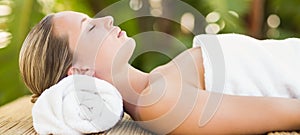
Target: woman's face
<point>95,43</point>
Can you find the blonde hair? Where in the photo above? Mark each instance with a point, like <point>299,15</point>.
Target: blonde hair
<point>44,57</point>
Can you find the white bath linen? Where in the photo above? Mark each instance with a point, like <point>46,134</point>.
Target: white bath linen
<point>77,104</point>
<point>254,67</point>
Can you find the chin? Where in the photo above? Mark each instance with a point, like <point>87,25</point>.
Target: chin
<point>130,42</point>
<point>130,46</point>
<point>123,54</point>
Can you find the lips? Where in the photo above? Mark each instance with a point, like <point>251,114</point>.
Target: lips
<point>120,33</point>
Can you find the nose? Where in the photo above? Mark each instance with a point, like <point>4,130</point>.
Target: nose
<point>108,22</point>
<point>110,19</point>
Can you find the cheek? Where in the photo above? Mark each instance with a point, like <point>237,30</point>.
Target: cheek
<point>107,52</point>
<point>111,46</point>
<point>113,50</point>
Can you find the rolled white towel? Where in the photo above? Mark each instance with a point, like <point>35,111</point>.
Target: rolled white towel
<point>77,104</point>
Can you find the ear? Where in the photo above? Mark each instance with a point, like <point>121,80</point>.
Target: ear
<point>72,70</point>
<point>81,70</point>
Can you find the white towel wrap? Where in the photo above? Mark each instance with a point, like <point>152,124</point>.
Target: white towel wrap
<point>77,104</point>
<point>256,67</point>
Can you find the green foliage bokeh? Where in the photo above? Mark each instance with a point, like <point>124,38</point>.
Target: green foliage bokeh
<point>26,13</point>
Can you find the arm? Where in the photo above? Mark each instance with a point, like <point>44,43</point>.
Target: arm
<point>236,114</point>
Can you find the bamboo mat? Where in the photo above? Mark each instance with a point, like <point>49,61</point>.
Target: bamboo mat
<point>15,119</point>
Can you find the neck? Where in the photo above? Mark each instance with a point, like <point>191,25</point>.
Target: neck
<point>138,79</point>
<point>128,78</point>
<point>130,82</point>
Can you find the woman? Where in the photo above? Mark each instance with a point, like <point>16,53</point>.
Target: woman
<point>47,56</point>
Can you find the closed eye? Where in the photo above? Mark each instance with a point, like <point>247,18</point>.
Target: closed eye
<point>92,27</point>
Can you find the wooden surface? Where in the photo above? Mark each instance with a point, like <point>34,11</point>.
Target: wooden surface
<point>15,118</point>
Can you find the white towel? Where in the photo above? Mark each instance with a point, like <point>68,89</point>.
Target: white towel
<point>255,67</point>
<point>77,104</point>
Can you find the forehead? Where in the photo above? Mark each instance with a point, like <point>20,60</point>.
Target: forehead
<point>68,15</point>
<point>67,21</point>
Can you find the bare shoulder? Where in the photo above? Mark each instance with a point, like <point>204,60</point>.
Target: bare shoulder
<point>192,54</point>
<point>187,66</point>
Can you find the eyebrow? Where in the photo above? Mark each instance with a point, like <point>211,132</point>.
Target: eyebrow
<point>84,19</point>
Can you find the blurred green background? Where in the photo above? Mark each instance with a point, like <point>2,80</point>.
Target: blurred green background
<point>262,19</point>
